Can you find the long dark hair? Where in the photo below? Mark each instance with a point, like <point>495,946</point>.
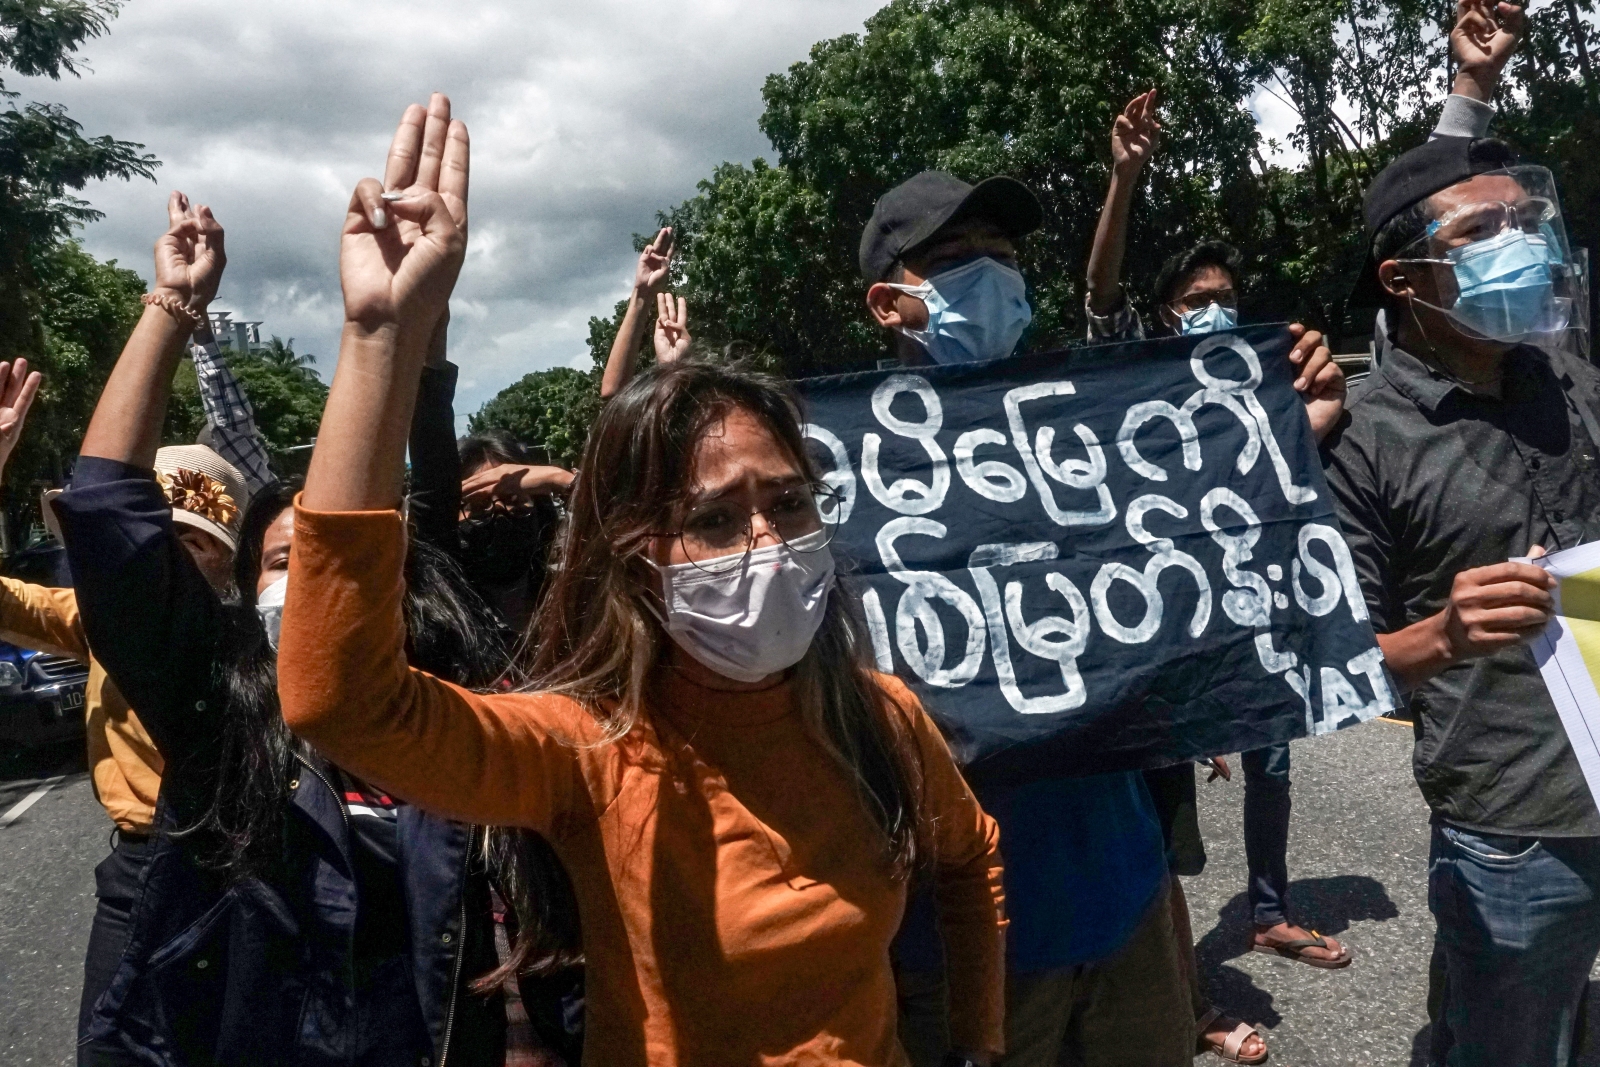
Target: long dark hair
<point>596,639</point>
<point>451,633</point>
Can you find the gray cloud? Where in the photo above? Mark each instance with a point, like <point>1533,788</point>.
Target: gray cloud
<point>586,118</point>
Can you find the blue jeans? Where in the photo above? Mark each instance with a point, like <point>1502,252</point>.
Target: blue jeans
<point>1519,928</point>
<point>1266,831</point>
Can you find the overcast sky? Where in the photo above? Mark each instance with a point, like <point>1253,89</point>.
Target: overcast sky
<point>586,117</point>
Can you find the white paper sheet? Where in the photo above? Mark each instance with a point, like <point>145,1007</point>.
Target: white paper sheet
<point>1568,674</point>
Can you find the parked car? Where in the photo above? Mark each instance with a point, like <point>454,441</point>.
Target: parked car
<point>41,696</point>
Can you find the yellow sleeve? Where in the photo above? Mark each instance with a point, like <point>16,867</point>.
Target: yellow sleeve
<point>41,618</point>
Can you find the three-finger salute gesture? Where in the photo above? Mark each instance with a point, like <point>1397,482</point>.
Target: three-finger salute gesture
<point>404,240</point>
<point>672,328</point>
<point>1485,35</point>
<point>654,264</point>
<point>189,256</point>
<point>400,251</point>
<point>1136,133</point>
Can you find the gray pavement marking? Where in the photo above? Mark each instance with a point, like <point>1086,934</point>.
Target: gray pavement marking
<point>20,807</point>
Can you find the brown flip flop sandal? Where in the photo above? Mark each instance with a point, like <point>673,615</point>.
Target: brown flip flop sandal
<point>1229,1049</point>
<point>1295,950</point>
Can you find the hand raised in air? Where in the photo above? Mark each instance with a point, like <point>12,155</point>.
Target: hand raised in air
<point>404,240</point>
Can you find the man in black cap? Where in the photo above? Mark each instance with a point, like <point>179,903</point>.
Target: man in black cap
<point>941,259</point>
<point>1092,957</point>
<point>1475,441</point>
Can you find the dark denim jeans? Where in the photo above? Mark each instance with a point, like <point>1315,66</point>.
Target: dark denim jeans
<point>1519,928</point>
<point>1266,831</point>
<point>116,888</point>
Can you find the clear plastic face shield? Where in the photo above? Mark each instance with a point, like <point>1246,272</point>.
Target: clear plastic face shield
<point>1502,268</point>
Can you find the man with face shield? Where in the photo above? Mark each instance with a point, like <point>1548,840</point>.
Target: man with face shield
<point>1474,442</point>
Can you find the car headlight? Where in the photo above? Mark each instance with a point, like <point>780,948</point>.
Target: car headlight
<point>10,676</point>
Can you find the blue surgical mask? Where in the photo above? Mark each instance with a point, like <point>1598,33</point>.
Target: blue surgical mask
<point>1506,291</point>
<point>1213,318</point>
<point>976,311</point>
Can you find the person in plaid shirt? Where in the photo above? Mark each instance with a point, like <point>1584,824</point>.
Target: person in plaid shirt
<point>229,417</point>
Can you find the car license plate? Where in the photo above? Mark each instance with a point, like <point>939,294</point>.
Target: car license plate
<point>71,700</point>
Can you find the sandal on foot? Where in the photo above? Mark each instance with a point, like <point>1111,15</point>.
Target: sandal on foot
<point>1295,950</point>
<point>1229,1050</point>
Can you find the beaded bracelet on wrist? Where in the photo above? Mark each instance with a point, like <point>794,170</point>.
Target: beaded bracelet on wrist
<point>174,307</point>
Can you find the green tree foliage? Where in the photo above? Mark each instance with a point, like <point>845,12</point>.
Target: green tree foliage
<point>982,87</point>
<point>86,311</point>
<point>284,391</point>
<point>549,410</point>
<point>1017,87</point>
<point>767,251</point>
<point>44,158</point>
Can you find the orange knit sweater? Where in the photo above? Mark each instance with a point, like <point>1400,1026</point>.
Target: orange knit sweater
<point>735,903</point>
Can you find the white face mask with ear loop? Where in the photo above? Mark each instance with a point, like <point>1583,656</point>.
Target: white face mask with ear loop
<point>755,620</point>
<point>269,605</point>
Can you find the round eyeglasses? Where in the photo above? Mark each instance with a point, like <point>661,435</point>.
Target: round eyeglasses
<point>717,536</point>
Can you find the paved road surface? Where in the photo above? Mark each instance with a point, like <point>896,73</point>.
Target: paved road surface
<point>1358,856</point>
<point>47,860</point>
<point>1357,860</point>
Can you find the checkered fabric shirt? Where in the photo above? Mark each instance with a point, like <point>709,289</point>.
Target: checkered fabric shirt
<point>1122,324</point>
<point>233,421</point>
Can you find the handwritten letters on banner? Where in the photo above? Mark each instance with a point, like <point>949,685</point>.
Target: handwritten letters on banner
<point>1111,558</point>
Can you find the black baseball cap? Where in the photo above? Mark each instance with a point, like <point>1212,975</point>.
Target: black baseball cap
<point>1411,179</point>
<point>916,209</point>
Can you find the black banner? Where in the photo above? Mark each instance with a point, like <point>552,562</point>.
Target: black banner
<point>1100,559</point>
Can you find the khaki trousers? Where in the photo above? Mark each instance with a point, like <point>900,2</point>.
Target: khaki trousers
<point>1131,1009</point>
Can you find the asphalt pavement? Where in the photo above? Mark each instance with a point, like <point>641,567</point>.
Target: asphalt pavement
<point>1358,851</point>
<point>1358,861</point>
<point>47,859</point>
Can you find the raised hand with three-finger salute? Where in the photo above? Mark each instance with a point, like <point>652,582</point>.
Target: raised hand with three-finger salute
<point>1485,35</point>
<point>1135,136</point>
<point>649,283</point>
<point>1136,133</point>
<point>672,328</point>
<point>189,261</point>
<point>400,253</point>
<point>398,272</point>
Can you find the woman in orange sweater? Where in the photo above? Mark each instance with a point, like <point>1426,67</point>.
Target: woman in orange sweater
<point>738,797</point>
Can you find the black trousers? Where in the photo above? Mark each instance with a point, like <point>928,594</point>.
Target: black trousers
<point>116,887</point>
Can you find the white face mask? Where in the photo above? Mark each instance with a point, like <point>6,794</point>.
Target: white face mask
<point>755,620</point>
<point>975,311</point>
<point>269,605</point>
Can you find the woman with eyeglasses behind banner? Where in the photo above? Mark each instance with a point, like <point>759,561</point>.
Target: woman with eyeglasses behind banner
<point>738,797</point>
